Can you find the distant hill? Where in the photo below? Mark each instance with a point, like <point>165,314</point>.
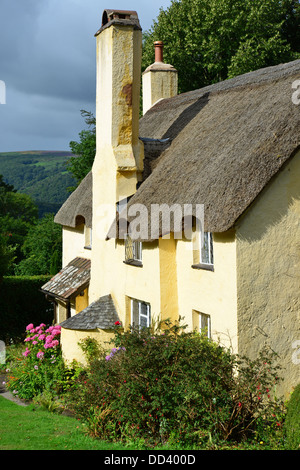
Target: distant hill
<point>41,174</point>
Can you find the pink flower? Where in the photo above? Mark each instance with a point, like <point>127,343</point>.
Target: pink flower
<point>49,339</point>
<point>27,352</point>
<point>40,355</point>
<point>34,342</point>
<point>29,327</point>
<point>41,337</point>
<point>55,332</point>
<point>27,339</point>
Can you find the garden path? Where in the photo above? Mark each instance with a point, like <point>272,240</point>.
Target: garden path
<point>6,394</point>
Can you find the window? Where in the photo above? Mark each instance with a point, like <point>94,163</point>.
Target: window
<point>203,250</point>
<point>133,251</point>
<point>202,323</point>
<point>140,313</point>
<point>88,237</point>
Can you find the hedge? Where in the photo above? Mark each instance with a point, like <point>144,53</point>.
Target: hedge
<point>292,421</point>
<point>21,303</point>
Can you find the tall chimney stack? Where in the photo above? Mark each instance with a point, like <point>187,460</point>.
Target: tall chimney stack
<point>118,162</point>
<point>119,51</point>
<point>160,80</point>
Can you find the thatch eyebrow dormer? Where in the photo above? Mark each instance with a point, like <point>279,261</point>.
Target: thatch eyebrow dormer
<point>78,207</point>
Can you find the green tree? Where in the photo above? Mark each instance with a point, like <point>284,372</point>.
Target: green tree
<point>84,150</point>
<point>212,40</point>
<point>7,256</point>
<point>42,248</point>
<point>17,214</point>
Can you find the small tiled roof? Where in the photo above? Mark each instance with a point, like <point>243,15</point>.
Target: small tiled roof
<point>100,314</point>
<point>72,278</point>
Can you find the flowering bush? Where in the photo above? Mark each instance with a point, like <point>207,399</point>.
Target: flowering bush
<point>173,385</point>
<point>41,367</point>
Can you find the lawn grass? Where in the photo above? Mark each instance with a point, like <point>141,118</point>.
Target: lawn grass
<point>30,428</point>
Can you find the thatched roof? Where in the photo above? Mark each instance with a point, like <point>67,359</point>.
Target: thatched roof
<point>228,141</point>
<point>218,146</point>
<point>78,206</point>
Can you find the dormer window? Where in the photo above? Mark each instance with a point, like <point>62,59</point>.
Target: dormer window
<point>133,251</point>
<point>206,249</point>
<point>203,257</point>
<point>88,238</point>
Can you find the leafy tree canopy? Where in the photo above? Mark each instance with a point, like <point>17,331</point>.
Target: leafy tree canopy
<point>84,150</point>
<point>211,40</point>
<point>42,248</point>
<point>7,255</point>
<point>17,213</point>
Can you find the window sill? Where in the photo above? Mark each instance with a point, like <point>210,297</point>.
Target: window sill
<point>133,262</point>
<point>206,267</point>
<point>87,247</point>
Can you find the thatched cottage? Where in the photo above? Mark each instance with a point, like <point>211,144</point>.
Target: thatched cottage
<point>232,148</point>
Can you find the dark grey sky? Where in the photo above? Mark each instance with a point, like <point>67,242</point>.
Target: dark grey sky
<point>48,65</point>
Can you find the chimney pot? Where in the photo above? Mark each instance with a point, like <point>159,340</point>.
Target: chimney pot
<point>121,16</point>
<point>158,47</point>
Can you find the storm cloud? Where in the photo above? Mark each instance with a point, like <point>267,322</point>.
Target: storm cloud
<point>48,65</point>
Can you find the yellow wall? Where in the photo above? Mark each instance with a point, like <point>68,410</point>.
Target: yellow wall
<point>168,278</point>
<point>82,300</point>
<point>70,339</point>
<point>74,243</point>
<point>141,283</point>
<point>210,292</point>
<point>268,272</point>
<point>158,85</point>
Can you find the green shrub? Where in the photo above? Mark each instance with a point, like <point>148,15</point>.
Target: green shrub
<point>171,385</point>
<point>292,421</point>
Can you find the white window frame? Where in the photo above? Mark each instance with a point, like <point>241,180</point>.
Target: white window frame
<point>202,322</point>
<point>205,324</point>
<point>88,237</point>
<point>199,259</point>
<point>136,250</point>
<point>209,250</point>
<point>140,314</point>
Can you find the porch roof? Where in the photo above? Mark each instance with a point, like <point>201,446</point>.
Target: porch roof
<point>99,314</point>
<point>74,277</point>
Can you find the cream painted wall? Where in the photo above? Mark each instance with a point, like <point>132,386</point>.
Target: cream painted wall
<point>141,283</point>
<point>213,293</point>
<point>70,339</point>
<point>74,243</point>
<point>268,272</point>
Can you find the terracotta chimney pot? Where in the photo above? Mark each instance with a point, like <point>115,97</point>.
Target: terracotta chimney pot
<point>158,47</point>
